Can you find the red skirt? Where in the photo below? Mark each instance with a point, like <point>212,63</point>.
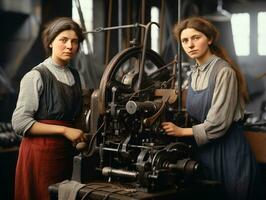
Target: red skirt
<point>42,161</point>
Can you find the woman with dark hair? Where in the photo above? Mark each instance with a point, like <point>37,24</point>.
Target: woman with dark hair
<point>216,101</point>
<point>48,103</point>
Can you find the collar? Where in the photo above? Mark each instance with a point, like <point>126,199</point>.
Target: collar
<point>203,66</point>
<point>50,62</point>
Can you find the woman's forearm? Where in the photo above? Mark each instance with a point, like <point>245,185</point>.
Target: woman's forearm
<point>187,132</point>
<point>39,128</point>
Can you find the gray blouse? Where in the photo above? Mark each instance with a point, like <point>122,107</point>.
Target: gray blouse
<point>31,87</point>
<point>225,106</point>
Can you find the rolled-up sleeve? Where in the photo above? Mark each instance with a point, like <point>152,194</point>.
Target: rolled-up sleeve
<point>28,102</point>
<point>223,108</point>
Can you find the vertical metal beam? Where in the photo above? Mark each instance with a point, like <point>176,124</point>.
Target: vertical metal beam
<point>179,63</point>
<point>143,8</point>
<point>128,21</point>
<point>162,18</point>
<point>108,34</point>
<point>120,17</point>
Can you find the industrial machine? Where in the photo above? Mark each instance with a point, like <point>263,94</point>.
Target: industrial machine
<point>137,93</point>
<point>126,145</point>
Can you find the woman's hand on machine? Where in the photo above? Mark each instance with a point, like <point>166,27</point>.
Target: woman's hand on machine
<point>74,135</point>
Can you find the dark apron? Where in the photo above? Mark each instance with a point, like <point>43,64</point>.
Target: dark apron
<point>42,161</point>
<point>227,159</point>
<point>46,160</point>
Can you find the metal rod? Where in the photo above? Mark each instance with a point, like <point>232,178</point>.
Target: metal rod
<point>120,14</point>
<point>82,22</point>
<point>141,69</point>
<point>109,171</point>
<point>143,8</point>
<point>108,34</point>
<point>179,64</point>
<point>162,19</point>
<point>101,29</point>
<point>174,72</point>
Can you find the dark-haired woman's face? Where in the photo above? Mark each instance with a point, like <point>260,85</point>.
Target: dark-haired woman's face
<point>64,47</point>
<point>195,44</point>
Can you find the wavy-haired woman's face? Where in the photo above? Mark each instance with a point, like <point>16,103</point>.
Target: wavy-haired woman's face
<point>195,44</point>
<point>64,47</point>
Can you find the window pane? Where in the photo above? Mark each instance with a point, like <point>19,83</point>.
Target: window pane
<point>155,29</point>
<point>241,33</point>
<point>87,12</point>
<point>261,33</point>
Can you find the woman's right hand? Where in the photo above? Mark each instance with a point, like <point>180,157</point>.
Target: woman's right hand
<point>171,129</point>
<point>174,130</point>
<point>74,135</point>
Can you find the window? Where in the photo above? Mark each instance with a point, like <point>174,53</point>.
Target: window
<point>241,33</point>
<point>155,29</point>
<point>87,12</point>
<point>261,33</point>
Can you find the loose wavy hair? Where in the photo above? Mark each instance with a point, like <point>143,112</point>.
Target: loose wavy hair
<point>207,28</point>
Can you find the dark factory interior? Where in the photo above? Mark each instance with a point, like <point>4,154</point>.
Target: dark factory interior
<point>126,146</point>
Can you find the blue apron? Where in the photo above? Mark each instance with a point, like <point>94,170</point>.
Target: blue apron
<point>227,159</point>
